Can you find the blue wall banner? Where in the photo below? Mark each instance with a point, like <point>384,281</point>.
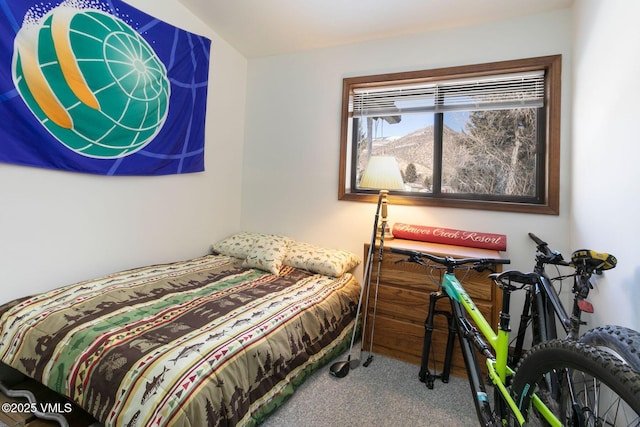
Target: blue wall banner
<point>97,86</point>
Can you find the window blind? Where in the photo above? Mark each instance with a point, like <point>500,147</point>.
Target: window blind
<point>514,90</point>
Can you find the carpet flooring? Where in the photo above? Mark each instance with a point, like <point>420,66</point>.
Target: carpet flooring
<point>386,393</point>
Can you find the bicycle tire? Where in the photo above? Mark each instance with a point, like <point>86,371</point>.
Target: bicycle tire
<point>619,384</point>
<point>621,342</point>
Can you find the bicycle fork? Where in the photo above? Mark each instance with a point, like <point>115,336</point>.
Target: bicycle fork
<point>469,339</point>
<point>425,375</point>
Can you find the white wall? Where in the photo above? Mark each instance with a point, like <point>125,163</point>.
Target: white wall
<point>291,154</point>
<point>61,227</point>
<point>606,150</point>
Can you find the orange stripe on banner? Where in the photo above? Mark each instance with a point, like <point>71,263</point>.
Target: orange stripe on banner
<point>60,30</point>
<point>37,84</point>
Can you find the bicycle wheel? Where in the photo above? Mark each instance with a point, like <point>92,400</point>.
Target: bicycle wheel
<point>621,342</point>
<point>594,388</point>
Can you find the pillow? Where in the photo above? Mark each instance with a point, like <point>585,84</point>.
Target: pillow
<point>267,253</point>
<point>330,262</point>
<point>237,245</point>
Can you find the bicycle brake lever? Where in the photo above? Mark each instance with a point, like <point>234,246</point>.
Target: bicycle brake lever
<point>483,267</point>
<point>410,259</point>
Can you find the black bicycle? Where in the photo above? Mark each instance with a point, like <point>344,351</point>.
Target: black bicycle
<point>543,308</point>
<point>588,387</point>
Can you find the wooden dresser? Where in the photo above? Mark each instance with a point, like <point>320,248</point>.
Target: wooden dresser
<point>403,301</point>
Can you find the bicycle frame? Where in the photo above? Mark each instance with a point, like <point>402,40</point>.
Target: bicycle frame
<point>470,339</point>
<point>542,303</point>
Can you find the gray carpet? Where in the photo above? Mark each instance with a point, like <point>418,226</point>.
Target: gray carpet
<point>387,392</point>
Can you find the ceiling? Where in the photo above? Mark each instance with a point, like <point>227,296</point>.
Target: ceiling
<point>271,27</point>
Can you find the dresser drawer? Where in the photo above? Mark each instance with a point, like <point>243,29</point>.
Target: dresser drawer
<point>403,301</point>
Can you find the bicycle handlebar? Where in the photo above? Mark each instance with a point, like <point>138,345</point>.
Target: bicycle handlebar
<point>548,256</point>
<point>536,239</point>
<point>449,262</point>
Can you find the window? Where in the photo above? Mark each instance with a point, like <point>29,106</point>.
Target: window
<point>482,137</point>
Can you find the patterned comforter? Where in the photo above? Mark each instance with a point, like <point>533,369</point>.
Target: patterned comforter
<point>193,343</point>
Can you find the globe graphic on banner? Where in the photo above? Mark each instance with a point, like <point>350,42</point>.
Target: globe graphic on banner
<point>92,81</point>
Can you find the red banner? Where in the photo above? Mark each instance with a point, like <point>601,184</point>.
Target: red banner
<point>450,236</point>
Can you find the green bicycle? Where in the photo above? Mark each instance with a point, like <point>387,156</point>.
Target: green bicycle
<point>590,387</point>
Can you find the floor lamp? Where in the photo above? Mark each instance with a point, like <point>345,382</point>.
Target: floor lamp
<point>382,173</point>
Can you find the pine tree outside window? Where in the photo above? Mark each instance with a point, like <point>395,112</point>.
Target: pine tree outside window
<point>483,136</point>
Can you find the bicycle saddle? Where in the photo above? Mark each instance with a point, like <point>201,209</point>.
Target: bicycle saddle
<point>516,276</point>
<point>593,260</point>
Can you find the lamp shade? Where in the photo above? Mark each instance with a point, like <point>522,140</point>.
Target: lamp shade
<point>382,173</point>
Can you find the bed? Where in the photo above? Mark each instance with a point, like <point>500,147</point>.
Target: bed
<point>222,339</point>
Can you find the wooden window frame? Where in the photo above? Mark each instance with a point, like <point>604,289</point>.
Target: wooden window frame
<point>551,175</point>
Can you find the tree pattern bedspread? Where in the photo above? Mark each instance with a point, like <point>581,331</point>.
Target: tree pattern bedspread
<point>191,343</point>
